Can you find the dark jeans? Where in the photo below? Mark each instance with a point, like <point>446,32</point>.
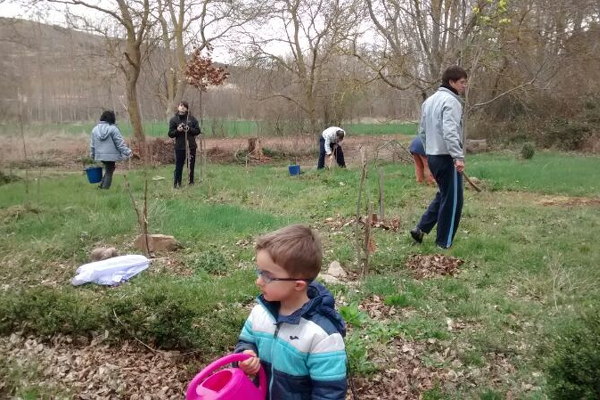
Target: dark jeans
<point>337,152</point>
<point>179,163</point>
<point>446,207</point>
<point>109,168</point>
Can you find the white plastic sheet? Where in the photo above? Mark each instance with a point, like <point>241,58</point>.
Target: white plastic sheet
<point>111,271</point>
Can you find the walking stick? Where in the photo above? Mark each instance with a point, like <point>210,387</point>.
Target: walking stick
<point>187,146</point>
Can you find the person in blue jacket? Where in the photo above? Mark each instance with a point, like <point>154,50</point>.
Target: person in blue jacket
<point>107,146</point>
<point>441,131</point>
<point>294,331</point>
<point>422,172</point>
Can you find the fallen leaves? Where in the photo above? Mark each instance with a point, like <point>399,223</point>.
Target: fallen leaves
<point>99,371</point>
<point>432,265</point>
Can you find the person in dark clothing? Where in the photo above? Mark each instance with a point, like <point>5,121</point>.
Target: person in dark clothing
<point>183,127</point>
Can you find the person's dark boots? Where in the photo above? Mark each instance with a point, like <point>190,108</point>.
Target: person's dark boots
<point>417,235</point>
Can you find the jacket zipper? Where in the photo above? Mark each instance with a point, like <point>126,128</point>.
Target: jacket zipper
<point>277,326</point>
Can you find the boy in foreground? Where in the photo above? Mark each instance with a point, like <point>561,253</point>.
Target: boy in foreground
<point>294,331</point>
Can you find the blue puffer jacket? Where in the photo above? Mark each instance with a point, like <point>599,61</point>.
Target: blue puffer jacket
<point>107,144</point>
<point>303,353</point>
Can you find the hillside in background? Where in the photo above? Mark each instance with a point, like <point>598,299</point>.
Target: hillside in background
<point>59,73</point>
<point>66,75</point>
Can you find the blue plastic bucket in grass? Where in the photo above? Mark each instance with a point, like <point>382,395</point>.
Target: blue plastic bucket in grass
<point>294,169</point>
<point>94,174</point>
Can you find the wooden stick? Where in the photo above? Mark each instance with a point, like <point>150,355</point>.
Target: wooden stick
<point>477,188</point>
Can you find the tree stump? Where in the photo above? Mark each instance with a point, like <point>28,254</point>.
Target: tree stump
<point>255,148</point>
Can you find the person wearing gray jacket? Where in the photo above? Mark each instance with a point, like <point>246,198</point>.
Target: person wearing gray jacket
<point>107,146</point>
<point>441,130</point>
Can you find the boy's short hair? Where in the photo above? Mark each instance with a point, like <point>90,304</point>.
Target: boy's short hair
<point>295,248</point>
<point>109,117</point>
<point>453,73</point>
<point>340,134</point>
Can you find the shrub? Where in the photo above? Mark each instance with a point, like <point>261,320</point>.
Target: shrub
<point>574,367</point>
<point>211,261</point>
<point>167,313</point>
<point>527,151</point>
<point>8,178</point>
<point>566,134</point>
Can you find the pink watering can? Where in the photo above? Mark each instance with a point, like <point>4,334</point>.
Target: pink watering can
<point>226,384</point>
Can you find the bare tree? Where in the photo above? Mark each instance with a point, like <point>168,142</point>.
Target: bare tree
<point>132,19</point>
<point>198,24</point>
<point>297,40</point>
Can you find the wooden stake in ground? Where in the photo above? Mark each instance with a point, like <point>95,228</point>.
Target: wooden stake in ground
<point>141,217</point>
<point>362,252</point>
<point>202,157</point>
<point>381,196</point>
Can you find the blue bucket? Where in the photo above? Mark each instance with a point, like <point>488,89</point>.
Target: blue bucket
<point>294,169</point>
<point>94,174</point>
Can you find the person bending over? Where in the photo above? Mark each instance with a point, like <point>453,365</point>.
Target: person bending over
<point>330,146</point>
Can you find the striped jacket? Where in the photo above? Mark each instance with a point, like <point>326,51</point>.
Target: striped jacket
<point>303,353</point>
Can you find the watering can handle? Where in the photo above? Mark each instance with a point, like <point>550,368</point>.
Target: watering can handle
<point>221,362</point>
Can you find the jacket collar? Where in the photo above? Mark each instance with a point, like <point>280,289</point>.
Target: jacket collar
<point>320,301</point>
<point>450,90</point>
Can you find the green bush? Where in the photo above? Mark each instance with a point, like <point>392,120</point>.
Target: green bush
<point>8,178</point>
<point>566,134</point>
<point>574,367</point>
<point>167,313</point>
<point>47,311</point>
<point>527,151</point>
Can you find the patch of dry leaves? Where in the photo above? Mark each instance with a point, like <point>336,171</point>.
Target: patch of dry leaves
<point>404,374</point>
<point>338,223</point>
<point>98,371</point>
<point>431,265</point>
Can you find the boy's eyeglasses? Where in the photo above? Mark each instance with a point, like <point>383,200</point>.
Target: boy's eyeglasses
<point>268,278</point>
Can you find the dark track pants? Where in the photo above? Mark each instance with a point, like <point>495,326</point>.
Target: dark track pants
<point>337,152</point>
<point>446,207</point>
<point>109,168</point>
<point>180,162</point>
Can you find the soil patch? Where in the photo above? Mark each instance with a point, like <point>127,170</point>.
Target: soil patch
<point>70,151</point>
<point>566,201</point>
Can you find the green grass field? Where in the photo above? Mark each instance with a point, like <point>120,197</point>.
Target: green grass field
<point>530,269</point>
<point>214,127</point>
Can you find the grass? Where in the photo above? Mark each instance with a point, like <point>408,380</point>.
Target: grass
<point>570,174</point>
<point>528,267</point>
<point>214,127</point>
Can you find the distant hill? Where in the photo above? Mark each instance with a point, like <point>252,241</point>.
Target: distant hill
<point>64,75</point>
<point>60,72</point>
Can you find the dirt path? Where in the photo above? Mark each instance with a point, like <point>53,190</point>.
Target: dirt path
<point>66,151</point>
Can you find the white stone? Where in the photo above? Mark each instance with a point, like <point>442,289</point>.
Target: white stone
<point>336,270</point>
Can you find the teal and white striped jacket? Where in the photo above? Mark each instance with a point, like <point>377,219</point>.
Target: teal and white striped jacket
<point>303,353</point>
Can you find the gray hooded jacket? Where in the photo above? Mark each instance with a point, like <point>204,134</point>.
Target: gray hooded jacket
<point>441,128</point>
<point>107,144</point>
